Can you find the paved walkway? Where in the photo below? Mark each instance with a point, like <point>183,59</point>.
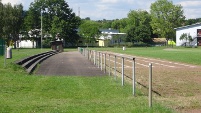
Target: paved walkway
<point>68,63</point>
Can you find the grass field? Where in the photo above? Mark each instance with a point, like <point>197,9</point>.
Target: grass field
<point>22,93</point>
<point>178,54</point>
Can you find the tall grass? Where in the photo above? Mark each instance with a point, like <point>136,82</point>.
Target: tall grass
<point>22,93</point>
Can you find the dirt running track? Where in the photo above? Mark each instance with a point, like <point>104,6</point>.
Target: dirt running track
<point>179,84</point>
<point>68,63</point>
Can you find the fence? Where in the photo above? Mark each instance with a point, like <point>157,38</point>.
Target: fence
<point>2,47</point>
<point>118,65</point>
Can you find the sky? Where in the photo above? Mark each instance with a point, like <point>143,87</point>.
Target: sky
<point>117,9</point>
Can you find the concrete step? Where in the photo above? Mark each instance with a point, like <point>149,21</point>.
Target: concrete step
<point>31,62</point>
<point>33,66</point>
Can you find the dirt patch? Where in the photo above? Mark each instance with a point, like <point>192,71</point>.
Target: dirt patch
<point>171,49</point>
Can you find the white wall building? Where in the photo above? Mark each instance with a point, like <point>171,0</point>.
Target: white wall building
<point>194,30</point>
<point>107,35</point>
<point>26,44</point>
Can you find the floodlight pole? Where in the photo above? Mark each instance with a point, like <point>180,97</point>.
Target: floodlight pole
<point>41,28</point>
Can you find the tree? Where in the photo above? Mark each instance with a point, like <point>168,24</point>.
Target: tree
<point>131,34</point>
<point>186,37</point>
<point>192,21</point>
<point>1,18</point>
<point>116,24</point>
<point>32,19</point>
<point>120,24</point>
<point>165,17</point>
<point>57,18</point>
<point>89,30</point>
<point>138,27</point>
<point>143,33</point>
<point>105,24</point>
<point>12,17</point>
<point>17,22</point>
<point>32,24</point>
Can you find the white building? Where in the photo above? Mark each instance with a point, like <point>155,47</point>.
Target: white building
<point>106,37</point>
<point>194,30</point>
<point>26,44</point>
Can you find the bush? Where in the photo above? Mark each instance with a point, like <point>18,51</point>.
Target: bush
<point>141,44</point>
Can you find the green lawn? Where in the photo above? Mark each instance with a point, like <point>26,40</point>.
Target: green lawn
<point>179,54</point>
<point>22,93</point>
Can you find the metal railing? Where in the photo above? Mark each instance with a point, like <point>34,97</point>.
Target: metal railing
<point>112,63</point>
<point>118,65</point>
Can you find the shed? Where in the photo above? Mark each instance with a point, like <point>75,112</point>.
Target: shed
<point>194,30</point>
<point>57,46</point>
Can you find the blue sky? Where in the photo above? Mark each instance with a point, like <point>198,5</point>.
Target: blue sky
<point>117,9</point>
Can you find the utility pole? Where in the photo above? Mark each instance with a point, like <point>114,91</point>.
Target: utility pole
<point>79,11</point>
<point>41,28</point>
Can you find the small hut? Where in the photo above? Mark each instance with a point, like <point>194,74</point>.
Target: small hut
<point>57,46</point>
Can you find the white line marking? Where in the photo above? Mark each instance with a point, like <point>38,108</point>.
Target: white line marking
<point>160,64</point>
<point>171,62</point>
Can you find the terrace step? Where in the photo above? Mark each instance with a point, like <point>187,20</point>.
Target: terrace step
<point>22,61</point>
<point>31,62</point>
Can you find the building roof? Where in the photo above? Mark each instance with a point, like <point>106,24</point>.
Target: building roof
<point>185,27</point>
<point>109,30</point>
<point>159,40</point>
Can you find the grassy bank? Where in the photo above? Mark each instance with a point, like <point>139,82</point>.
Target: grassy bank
<point>22,93</point>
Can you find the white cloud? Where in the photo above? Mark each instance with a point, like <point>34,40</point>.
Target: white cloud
<point>190,3</point>
<point>109,1</point>
<point>192,13</point>
<point>25,3</point>
<point>12,1</point>
<point>102,7</point>
<point>191,8</point>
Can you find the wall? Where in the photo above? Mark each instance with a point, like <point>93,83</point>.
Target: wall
<point>103,43</point>
<point>26,44</point>
<point>188,29</point>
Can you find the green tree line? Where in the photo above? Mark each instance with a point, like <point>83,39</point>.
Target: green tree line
<point>141,26</point>
<point>11,20</point>
<point>55,15</point>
